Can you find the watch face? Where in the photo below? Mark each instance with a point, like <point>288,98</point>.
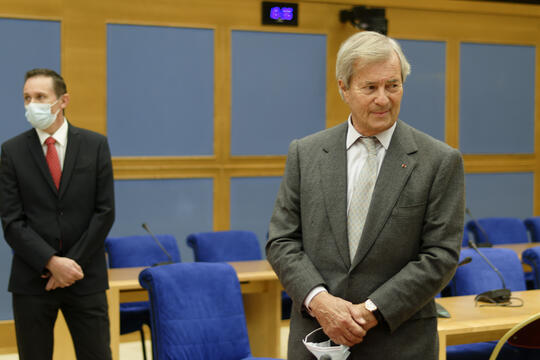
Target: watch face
<point>370,306</point>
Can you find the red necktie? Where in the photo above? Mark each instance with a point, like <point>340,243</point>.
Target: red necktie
<point>53,162</point>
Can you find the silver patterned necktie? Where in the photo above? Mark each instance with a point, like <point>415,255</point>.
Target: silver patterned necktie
<point>361,197</point>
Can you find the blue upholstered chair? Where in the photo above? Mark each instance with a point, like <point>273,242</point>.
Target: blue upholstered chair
<point>196,312</point>
<point>465,241</point>
<point>133,251</point>
<point>233,245</point>
<point>532,258</point>
<point>533,226</point>
<point>499,230</point>
<point>223,246</point>
<point>477,277</point>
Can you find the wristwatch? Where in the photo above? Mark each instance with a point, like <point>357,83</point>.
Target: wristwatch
<point>372,308</point>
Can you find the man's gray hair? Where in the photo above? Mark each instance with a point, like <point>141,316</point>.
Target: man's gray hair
<point>364,48</point>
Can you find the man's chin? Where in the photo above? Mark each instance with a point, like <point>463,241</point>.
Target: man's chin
<point>379,125</point>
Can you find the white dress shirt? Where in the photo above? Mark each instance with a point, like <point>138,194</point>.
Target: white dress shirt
<point>61,141</point>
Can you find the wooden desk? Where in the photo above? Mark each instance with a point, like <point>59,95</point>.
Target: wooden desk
<point>261,292</point>
<point>470,324</point>
<point>519,248</point>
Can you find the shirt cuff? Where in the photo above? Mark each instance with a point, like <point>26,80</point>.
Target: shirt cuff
<point>316,290</point>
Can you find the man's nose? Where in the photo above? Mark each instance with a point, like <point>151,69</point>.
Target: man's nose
<point>381,97</point>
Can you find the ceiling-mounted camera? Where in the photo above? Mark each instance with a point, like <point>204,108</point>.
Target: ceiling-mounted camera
<point>366,18</point>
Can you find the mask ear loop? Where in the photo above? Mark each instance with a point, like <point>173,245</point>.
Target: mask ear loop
<point>54,103</point>
<point>311,333</point>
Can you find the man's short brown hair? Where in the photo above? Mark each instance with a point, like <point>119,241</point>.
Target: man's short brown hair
<point>59,85</point>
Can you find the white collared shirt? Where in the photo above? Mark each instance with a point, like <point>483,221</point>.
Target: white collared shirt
<point>357,154</point>
<point>61,141</point>
<point>356,158</point>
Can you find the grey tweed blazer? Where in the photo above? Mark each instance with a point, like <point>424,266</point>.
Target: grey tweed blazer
<point>408,251</point>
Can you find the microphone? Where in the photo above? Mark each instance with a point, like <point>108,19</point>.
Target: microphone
<point>441,310</point>
<point>145,227</point>
<point>487,243</point>
<point>465,261</point>
<point>492,296</point>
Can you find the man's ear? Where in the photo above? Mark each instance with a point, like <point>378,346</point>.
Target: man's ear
<point>344,89</point>
<point>64,101</point>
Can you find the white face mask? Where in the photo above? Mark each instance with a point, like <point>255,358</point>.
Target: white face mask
<point>336,352</point>
<point>39,115</point>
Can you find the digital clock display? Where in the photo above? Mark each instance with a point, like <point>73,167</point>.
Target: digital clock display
<point>276,13</point>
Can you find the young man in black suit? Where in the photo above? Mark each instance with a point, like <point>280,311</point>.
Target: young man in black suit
<point>57,207</point>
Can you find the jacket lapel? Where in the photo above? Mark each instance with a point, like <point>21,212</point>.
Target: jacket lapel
<point>396,168</point>
<point>72,151</point>
<point>39,158</point>
<point>333,170</point>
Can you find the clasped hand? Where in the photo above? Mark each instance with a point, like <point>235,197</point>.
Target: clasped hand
<point>63,272</point>
<point>344,322</point>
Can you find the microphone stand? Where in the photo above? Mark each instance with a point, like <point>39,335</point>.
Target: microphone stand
<point>441,310</point>
<point>145,227</point>
<point>492,296</point>
<point>487,243</point>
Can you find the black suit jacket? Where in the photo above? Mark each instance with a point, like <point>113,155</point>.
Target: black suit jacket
<point>40,221</point>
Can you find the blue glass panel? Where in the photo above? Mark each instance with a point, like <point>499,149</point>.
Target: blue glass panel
<point>160,90</point>
<point>25,44</point>
<point>496,99</point>
<point>500,194</point>
<point>278,90</point>
<point>423,104</point>
<point>252,203</point>
<point>177,207</point>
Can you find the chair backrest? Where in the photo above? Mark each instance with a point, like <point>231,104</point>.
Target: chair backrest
<point>217,246</point>
<point>477,276</point>
<point>499,230</point>
<point>465,241</point>
<point>196,312</point>
<point>533,226</point>
<point>525,335</point>
<point>140,250</point>
<point>531,257</point>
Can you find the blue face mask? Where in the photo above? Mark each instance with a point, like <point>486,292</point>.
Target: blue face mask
<point>39,115</point>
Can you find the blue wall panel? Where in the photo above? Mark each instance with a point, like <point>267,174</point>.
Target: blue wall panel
<point>5,269</point>
<point>25,44</point>
<point>177,207</point>
<point>423,104</point>
<point>252,203</point>
<point>160,90</point>
<point>501,194</point>
<point>278,90</point>
<point>496,99</point>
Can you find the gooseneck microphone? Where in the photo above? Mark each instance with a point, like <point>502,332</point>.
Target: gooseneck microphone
<point>441,310</point>
<point>492,296</point>
<point>145,227</point>
<point>465,261</point>
<point>487,243</point>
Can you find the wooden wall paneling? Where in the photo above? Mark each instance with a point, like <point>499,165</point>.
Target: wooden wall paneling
<point>84,59</point>
<point>452,93</point>
<point>503,163</point>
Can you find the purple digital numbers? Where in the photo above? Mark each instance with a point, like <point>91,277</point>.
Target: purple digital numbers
<point>281,14</point>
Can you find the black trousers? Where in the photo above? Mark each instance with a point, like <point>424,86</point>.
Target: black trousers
<point>86,316</point>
